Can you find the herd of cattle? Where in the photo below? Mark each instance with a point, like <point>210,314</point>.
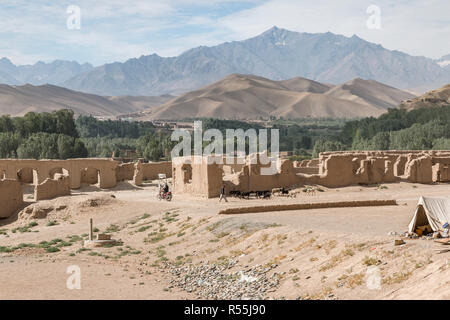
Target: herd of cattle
<point>277,192</point>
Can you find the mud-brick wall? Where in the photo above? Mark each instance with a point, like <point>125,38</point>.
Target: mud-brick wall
<point>125,171</point>
<point>52,188</point>
<point>152,169</point>
<point>306,170</point>
<point>11,197</point>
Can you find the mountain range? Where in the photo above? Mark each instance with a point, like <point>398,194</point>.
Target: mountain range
<point>276,54</point>
<point>40,73</point>
<point>249,97</point>
<point>18,100</point>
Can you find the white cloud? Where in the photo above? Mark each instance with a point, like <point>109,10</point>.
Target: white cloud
<point>116,29</point>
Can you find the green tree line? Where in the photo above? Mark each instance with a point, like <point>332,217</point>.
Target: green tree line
<point>41,136</point>
<point>398,129</point>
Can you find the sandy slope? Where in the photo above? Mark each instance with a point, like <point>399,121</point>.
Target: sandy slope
<point>313,254</point>
<point>251,97</point>
<point>18,100</point>
<point>434,98</point>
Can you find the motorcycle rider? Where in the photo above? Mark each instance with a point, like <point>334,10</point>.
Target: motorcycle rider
<point>165,188</point>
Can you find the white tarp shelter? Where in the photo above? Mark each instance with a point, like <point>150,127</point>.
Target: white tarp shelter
<point>432,211</point>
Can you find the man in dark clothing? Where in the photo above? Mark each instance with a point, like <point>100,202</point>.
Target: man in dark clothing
<point>223,194</point>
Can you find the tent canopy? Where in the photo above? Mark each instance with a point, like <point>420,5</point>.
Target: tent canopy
<point>432,211</point>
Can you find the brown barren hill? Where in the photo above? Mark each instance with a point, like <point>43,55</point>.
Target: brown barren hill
<point>305,85</point>
<point>18,100</point>
<point>248,97</point>
<point>371,93</point>
<point>435,98</point>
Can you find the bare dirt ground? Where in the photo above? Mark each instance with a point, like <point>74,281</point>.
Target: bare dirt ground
<point>184,250</point>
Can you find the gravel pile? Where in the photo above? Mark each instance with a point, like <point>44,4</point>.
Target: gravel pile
<point>217,281</point>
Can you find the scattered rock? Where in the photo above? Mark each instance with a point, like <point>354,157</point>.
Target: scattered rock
<point>214,281</point>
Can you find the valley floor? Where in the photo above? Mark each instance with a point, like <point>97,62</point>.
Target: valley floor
<point>184,250</point>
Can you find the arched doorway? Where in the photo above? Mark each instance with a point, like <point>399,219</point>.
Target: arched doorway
<point>90,176</point>
<point>27,175</point>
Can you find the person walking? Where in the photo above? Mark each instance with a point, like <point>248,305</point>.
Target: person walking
<point>223,194</point>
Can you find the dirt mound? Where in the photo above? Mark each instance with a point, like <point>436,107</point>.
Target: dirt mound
<point>97,201</point>
<point>64,207</point>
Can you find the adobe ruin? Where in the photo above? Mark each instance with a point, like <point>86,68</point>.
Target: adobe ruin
<point>149,171</point>
<point>55,178</point>
<point>52,188</point>
<point>203,177</point>
<point>331,169</point>
<point>11,197</point>
<point>80,170</point>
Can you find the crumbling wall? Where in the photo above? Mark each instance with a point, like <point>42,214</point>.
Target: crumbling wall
<point>11,197</point>
<point>339,169</point>
<point>419,170</point>
<point>306,166</point>
<point>152,169</point>
<point>52,188</point>
<point>375,170</point>
<point>199,176</point>
<point>441,172</point>
<point>25,175</point>
<point>138,176</point>
<point>332,169</point>
<point>44,169</point>
<point>336,171</point>
<point>125,171</point>
<point>399,165</point>
<point>252,178</point>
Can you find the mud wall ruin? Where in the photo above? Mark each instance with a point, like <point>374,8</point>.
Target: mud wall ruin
<point>196,175</point>
<point>52,188</point>
<point>11,197</point>
<point>55,178</point>
<point>125,171</point>
<point>204,176</point>
<point>150,171</point>
<point>306,166</point>
<point>339,169</point>
<point>75,168</point>
<point>331,169</point>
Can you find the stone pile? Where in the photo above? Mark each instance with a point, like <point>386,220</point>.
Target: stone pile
<point>218,281</point>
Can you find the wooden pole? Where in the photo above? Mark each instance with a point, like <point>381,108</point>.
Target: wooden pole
<point>91,231</point>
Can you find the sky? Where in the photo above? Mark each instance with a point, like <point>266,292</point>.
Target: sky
<point>117,30</point>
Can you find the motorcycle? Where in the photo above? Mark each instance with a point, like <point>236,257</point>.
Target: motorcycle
<point>164,196</point>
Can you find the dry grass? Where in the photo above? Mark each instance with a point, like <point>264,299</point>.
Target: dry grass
<point>335,260</point>
<point>397,277</point>
<point>370,261</point>
<point>305,244</point>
